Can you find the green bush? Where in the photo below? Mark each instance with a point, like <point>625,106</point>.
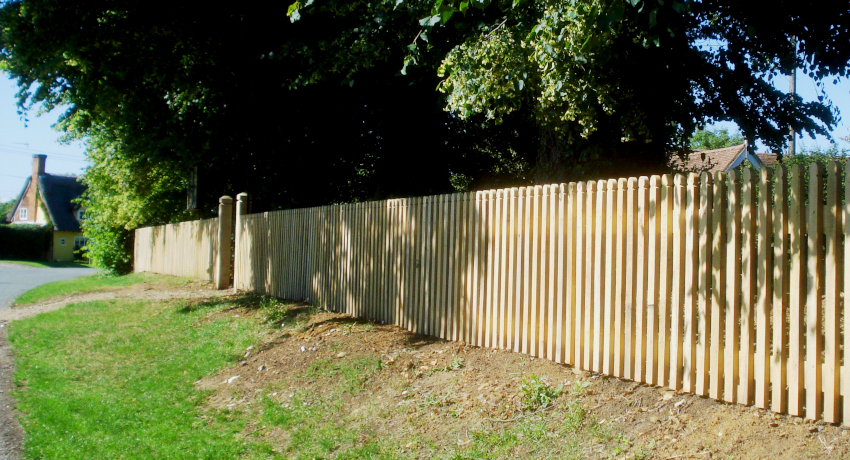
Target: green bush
<point>24,242</point>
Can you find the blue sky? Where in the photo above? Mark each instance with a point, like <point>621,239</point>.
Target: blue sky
<point>18,142</point>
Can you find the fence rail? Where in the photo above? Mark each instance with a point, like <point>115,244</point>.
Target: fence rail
<point>728,286</point>
<point>185,249</point>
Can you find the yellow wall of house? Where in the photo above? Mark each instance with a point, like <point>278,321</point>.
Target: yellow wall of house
<point>64,253</point>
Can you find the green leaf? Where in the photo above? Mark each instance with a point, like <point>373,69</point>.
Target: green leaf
<point>294,16</point>
<point>430,21</point>
<point>446,15</point>
<point>464,6</point>
<point>680,7</point>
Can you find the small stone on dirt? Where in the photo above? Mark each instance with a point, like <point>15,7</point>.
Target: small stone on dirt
<point>231,379</point>
<point>340,354</point>
<point>303,349</point>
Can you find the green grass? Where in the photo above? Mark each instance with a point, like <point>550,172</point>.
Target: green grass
<point>114,379</point>
<point>43,264</point>
<point>91,283</point>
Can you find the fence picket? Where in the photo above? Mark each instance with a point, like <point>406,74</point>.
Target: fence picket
<point>608,298</point>
<point>630,276</point>
<point>589,297</point>
<point>552,276</point>
<point>580,260</point>
<point>570,281</point>
<point>718,291</point>
<point>704,274</point>
<point>781,293</point>
<point>796,232</point>
<point>832,285</point>
<point>764,301</point>
<point>733,288</point>
<point>814,292</point>
<point>599,261</point>
<point>620,279</point>
<point>749,259</point>
<point>690,284</point>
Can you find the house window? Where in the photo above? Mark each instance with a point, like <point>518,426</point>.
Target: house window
<point>81,214</point>
<point>22,214</point>
<point>61,241</point>
<point>79,242</point>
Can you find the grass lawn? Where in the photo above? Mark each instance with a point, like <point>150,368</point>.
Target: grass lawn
<point>114,379</point>
<point>91,283</point>
<point>139,379</point>
<point>43,264</point>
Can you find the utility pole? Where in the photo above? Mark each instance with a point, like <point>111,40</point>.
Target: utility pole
<point>792,147</point>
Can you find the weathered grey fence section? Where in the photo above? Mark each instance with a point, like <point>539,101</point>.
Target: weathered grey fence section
<point>187,249</point>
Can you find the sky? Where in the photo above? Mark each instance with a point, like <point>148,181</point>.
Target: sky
<point>19,140</point>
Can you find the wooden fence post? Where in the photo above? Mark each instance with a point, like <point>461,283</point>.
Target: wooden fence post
<point>222,266</point>
<point>241,210</point>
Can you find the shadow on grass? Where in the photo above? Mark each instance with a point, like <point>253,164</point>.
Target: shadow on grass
<point>297,315</point>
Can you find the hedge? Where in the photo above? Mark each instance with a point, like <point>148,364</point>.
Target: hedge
<point>24,242</point>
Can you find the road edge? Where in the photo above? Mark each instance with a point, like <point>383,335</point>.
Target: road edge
<point>11,431</point>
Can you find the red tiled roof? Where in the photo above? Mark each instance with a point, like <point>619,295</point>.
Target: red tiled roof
<point>708,160</point>
<point>769,160</point>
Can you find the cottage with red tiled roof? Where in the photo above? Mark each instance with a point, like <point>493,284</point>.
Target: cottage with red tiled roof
<point>725,159</point>
<point>48,199</point>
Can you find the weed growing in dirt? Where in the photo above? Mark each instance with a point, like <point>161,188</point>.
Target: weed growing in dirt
<point>350,373</point>
<point>579,387</point>
<point>537,394</point>
<point>273,310</point>
<point>457,363</point>
<point>317,427</point>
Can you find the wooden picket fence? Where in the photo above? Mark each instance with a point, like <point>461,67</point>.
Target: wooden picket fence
<point>184,249</point>
<point>728,286</point>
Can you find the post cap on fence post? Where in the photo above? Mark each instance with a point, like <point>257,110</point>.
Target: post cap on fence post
<point>225,200</point>
<point>242,196</point>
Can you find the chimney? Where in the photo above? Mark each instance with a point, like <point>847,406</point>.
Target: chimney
<point>37,166</point>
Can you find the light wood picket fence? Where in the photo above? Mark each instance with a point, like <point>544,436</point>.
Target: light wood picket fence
<point>184,249</point>
<point>727,286</point>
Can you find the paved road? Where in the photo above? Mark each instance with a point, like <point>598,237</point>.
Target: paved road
<point>15,279</point>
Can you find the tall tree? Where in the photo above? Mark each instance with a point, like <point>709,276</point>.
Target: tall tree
<point>606,74</point>
<point>715,139</point>
<point>333,100</point>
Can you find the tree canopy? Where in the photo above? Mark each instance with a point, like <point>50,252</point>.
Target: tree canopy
<point>715,139</point>
<point>336,100</point>
<point>651,71</point>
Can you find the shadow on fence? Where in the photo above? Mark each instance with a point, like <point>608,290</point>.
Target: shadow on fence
<point>727,286</point>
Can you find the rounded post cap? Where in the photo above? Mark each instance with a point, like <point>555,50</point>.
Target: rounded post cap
<point>225,200</point>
